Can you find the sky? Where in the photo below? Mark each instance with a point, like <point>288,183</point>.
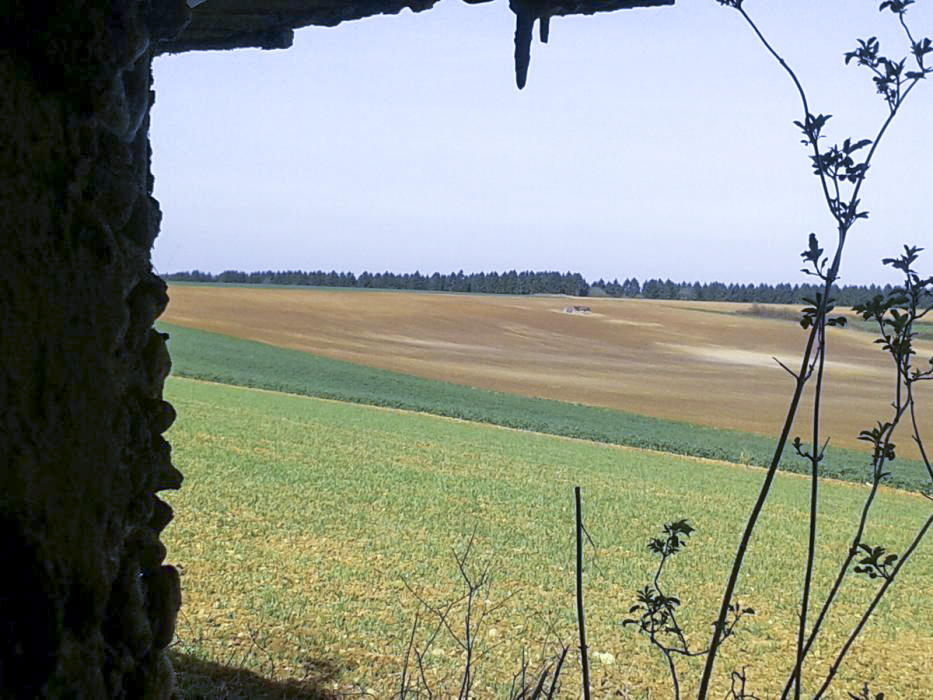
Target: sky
<point>653,142</point>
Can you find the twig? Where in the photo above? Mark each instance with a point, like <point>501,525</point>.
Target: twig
<point>786,368</point>
<point>815,458</point>
<point>871,608</point>
<point>845,216</point>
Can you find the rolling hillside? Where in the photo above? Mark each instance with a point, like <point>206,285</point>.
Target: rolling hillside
<point>699,362</point>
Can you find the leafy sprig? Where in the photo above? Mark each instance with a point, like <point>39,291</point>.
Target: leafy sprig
<point>876,564</point>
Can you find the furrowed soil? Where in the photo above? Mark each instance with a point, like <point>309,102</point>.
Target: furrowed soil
<point>702,362</point>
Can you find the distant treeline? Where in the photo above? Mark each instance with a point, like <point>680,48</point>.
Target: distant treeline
<point>477,282</point>
<point>528,282</point>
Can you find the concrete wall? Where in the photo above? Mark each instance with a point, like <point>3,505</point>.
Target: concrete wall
<point>86,605</point>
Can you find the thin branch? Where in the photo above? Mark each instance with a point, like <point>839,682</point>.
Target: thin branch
<point>674,678</point>
<point>814,492</point>
<point>845,218</point>
<point>871,608</point>
<point>719,625</point>
<point>403,690</point>
<point>877,472</point>
<point>786,368</point>
<point>800,91</point>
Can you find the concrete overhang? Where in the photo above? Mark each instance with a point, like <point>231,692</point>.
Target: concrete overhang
<point>270,24</point>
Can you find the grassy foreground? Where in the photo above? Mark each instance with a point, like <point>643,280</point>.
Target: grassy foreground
<point>220,358</point>
<point>300,518</point>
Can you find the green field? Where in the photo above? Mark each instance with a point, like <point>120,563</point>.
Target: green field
<point>220,358</point>
<point>300,517</point>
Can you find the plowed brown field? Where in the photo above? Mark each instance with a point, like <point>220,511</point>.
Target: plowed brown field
<point>696,362</point>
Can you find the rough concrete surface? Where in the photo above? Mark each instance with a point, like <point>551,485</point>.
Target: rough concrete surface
<point>269,24</point>
<point>87,606</point>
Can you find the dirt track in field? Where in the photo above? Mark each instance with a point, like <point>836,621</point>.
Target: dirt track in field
<point>692,361</point>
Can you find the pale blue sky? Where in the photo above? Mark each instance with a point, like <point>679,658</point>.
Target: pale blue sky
<point>647,143</point>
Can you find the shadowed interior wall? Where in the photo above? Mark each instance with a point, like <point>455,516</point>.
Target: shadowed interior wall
<point>86,605</point>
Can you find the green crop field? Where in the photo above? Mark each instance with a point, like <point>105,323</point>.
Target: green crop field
<point>220,358</point>
<point>301,520</point>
